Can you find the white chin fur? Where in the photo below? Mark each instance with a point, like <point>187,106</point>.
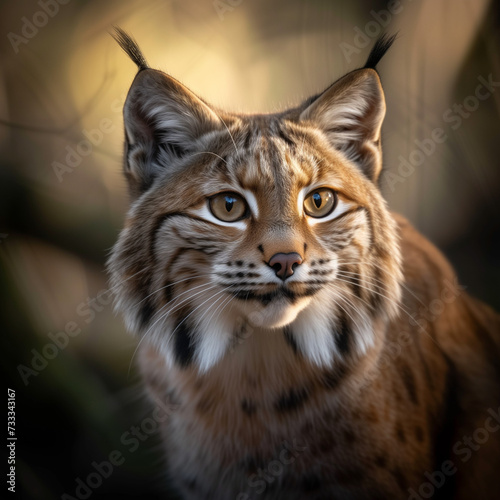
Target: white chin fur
<point>312,327</point>
<point>277,314</point>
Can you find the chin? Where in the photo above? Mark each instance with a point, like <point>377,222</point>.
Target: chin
<point>277,314</point>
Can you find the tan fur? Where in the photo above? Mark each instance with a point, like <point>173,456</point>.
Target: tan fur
<point>358,376</point>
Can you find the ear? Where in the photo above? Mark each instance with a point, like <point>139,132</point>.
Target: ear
<point>350,113</point>
<point>163,122</point>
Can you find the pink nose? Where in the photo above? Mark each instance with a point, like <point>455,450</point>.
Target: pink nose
<point>284,264</point>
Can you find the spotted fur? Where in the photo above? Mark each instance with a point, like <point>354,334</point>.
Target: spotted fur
<point>337,381</point>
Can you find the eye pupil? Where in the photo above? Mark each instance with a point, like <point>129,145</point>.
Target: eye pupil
<point>229,203</point>
<point>317,199</point>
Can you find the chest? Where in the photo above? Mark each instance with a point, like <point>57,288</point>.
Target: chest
<point>298,431</point>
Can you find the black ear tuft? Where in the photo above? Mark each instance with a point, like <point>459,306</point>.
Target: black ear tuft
<point>129,45</point>
<point>382,45</point>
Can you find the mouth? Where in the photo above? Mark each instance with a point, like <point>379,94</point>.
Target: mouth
<point>290,293</point>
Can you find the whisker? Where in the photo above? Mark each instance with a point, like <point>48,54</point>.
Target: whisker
<point>196,308</point>
<point>374,264</point>
<point>350,300</point>
<point>209,153</point>
<point>176,283</point>
<point>395,303</point>
<point>224,299</point>
<point>177,306</point>
<point>125,280</point>
<point>372,291</point>
<point>345,309</point>
<point>231,298</point>
<point>230,135</point>
<point>162,317</point>
<point>372,279</point>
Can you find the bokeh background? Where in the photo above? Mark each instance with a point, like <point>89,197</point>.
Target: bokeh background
<point>66,78</point>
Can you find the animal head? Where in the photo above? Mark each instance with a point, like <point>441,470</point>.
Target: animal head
<point>274,220</point>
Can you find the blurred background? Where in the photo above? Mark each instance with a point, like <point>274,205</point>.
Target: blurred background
<point>63,81</point>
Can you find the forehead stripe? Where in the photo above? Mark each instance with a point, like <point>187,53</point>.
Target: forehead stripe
<point>286,138</point>
<point>161,219</point>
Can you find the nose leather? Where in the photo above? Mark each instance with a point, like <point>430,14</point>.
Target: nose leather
<point>284,264</point>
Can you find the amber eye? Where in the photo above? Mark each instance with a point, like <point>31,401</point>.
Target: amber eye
<point>320,202</point>
<point>228,207</point>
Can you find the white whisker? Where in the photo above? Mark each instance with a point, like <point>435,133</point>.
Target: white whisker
<point>176,283</point>
<point>164,315</point>
<point>228,131</point>
<point>209,153</point>
<point>374,264</point>
<point>125,280</point>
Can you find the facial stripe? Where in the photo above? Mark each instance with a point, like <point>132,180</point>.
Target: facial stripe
<point>351,275</point>
<point>146,312</point>
<point>183,343</point>
<point>342,334</point>
<point>342,208</point>
<point>248,141</point>
<point>285,136</point>
<point>160,221</point>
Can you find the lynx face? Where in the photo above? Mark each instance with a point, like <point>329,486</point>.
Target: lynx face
<point>273,221</point>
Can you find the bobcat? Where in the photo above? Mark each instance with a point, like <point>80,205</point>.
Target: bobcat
<point>315,346</point>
